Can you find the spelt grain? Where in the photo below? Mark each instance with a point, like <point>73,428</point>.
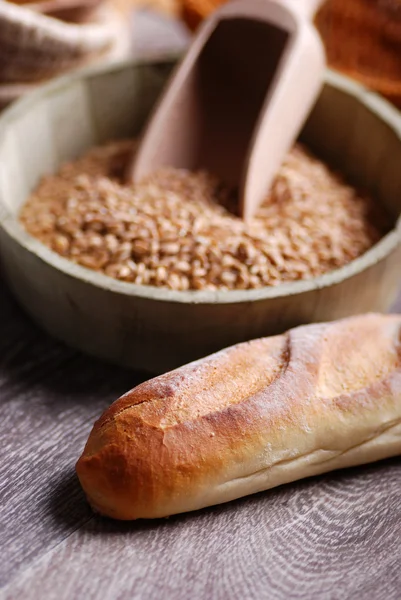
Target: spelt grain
<point>174,230</point>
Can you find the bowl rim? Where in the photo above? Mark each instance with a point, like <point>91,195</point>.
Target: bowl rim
<point>10,224</point>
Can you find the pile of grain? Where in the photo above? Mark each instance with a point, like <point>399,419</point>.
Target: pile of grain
<point>174,231</point>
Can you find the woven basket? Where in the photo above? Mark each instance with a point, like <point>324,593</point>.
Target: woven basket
<point>362,39</point>
<point>36,47</point>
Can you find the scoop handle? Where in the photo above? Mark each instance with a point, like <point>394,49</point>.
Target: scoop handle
<point>310,7</point>
<point>307,8</point>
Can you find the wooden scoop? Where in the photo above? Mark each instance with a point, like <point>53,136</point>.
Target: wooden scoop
<point>239,98</point>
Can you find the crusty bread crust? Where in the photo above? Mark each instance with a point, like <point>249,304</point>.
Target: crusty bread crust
<point>249,418</point>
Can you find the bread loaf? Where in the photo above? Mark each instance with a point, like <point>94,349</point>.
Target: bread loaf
<point>249,418</point>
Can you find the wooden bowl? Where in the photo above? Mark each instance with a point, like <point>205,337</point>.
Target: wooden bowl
<point>156,329</point>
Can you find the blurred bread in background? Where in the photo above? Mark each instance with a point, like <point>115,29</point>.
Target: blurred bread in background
<point>363,40</point>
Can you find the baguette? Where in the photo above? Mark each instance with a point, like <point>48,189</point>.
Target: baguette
<point>249,418</point>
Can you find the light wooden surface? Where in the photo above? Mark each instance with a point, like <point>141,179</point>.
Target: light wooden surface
<point>335,537</point>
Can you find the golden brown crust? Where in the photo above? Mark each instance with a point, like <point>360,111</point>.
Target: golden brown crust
<point>248,418</point>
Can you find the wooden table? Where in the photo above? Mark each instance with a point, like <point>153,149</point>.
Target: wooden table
<point>334,537</point>
<point>337,536</point>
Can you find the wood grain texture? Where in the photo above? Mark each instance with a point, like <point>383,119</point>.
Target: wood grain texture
<point>334,537</point>
<point>49,396</point>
